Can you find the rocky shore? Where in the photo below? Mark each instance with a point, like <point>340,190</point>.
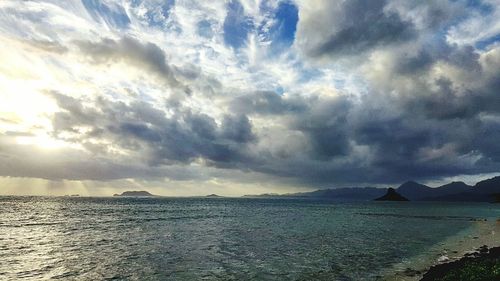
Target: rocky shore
<point>481,265</point>
<point>467,246</point>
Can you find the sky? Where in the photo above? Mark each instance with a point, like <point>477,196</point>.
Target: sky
<point>184,97</point>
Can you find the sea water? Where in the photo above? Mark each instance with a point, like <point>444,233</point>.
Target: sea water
<point>76,238</point>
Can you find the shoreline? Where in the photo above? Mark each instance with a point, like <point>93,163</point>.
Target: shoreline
<point>484,264</point>
<point>465,243</point>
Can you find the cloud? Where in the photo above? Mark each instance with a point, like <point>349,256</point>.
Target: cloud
<point>139,128</point>
<point>264,103</point>
<point>345,93</point>
<point>480,27</point>
<point>143,55</point>
<point>351,28</point>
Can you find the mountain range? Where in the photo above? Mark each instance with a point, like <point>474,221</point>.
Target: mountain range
<point>483,191</point>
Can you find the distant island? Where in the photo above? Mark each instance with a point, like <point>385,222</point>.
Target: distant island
<point>214,196</point>
<point>483,191</point>
<point>141,193</point>
<point>346,193</point>
<point>268,195</point>
<point>392,195</point>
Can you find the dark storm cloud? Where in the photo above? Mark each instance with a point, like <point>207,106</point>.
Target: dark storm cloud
<point>364,25</point>
<point>139,127</point>
<point>237,129</point>
<point>398,143</point>
<point>437,112</point>
<point>144,55</point>
<point>325,125</point>
<point>442,97</point>
<point>266,102</point>
<point>488,97</point>
<point>419,124</point>
<point>487,139</point>
<point>437,51</point>
<point>436,127</point>
<point>395,146</point>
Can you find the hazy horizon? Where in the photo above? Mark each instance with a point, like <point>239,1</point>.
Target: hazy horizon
<point>160,191</point>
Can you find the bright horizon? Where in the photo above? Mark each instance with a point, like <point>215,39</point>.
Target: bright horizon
<point>243,97</point>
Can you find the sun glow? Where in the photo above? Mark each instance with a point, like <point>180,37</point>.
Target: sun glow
<point>25,109</point>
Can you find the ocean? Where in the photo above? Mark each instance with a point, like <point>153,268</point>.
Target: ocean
<point>91,238</point>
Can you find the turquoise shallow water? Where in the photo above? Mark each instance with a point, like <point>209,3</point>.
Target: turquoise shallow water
<point>218,239</point>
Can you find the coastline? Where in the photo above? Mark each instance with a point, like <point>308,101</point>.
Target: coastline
<point>482,265</point>
<point>465,243</point>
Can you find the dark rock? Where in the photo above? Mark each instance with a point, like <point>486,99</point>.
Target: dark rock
<point>483,249</point>
<point>473,266</point>
<point>411,272</point>
<point>392,195</point>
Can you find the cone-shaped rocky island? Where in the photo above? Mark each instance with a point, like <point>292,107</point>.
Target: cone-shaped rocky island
<point>392,195</point>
